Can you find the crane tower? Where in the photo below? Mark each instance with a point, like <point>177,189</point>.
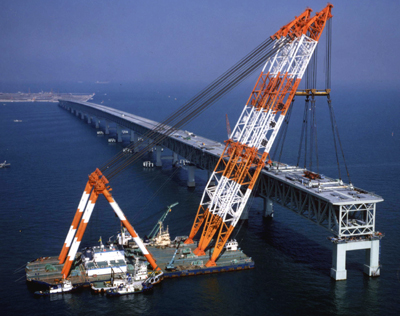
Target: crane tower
<point>247,150</point>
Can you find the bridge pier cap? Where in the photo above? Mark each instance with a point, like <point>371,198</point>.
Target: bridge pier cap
<point>339,251</point>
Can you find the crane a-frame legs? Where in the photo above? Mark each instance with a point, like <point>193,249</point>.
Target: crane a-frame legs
<point>93,178</point>
<point>97,184</point>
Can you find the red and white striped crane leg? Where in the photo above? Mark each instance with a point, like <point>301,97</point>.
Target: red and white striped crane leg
<point>81,230</point>
<point>130,229</point>
<point>75,222</point>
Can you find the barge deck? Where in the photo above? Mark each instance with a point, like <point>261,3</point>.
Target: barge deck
<point>46,271</point>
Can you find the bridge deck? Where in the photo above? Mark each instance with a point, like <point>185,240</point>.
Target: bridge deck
<point>342,209</point>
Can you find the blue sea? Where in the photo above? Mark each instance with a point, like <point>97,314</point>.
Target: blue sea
<point>52,152</point>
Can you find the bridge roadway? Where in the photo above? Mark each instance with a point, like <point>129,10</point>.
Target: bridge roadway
<point>345,211</point>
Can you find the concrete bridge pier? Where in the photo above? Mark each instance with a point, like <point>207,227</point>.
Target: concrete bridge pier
<point>174,158</point>
<point>107,131</point>
<point>76,113</point>
<point>97,122</point>
<point>191,168</point>
<point>135,141</point>
<point>89,119</point>
<point>119,133</point>
<point>268,208</point>
<point>82,116</point>
<point>158,156</point>
<point>371,266</point>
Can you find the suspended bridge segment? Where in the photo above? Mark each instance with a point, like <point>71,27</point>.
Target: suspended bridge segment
<point>347,212</point>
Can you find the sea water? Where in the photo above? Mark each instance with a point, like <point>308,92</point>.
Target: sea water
<point>52,152</point>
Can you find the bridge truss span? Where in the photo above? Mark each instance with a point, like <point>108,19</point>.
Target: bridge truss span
<point>341,209</point>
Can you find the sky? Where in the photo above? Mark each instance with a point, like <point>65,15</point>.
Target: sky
<point>175,41</point>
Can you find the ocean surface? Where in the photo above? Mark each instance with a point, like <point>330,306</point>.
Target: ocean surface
<point>52,152</point>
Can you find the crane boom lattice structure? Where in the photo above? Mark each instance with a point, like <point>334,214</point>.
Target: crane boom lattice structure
<point>245,154</point>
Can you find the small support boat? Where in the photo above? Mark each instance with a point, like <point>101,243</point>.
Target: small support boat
<point>4,164</point>
<point>122,284</point>
<point>127,288</point>
<point>65,286</point>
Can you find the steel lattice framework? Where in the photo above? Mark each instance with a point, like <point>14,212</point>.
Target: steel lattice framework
<point>345,219</point>
<point>236,173</point>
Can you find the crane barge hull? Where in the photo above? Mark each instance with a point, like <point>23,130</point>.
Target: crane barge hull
<point>188,264</point>
<point>46,271</point>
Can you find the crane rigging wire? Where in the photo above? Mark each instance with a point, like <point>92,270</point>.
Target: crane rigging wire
<point>188,105</point>
<point>154,195</point>
<point>211,98</point>
<point>240,71</point>
<point>170,130</point>
<point>282,135</point>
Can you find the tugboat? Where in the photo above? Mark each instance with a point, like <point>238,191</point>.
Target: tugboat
<point>65,286</point>
<point>139,283</point>
<point>126,288</point>
<point>103,286</point>
<point>119,281</point>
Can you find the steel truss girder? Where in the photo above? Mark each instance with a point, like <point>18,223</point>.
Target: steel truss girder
<point>223,195</point>
<point>264,113</point>
<point>292,58</point>
<point>345,220</point>
<point>256,129</point>
<point>357,219</point>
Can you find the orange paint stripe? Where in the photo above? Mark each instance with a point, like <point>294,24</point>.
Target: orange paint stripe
<point>108,196</point>
<point>63,253</point>
<point>67,267</point>
<point>152,262</point>
<point>77,218</point>
<point>81,231</point>
<point>129,228</point>
<point>93,198</point>
<point>88,188</point>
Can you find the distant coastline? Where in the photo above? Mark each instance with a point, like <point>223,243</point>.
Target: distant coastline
<point>43,97</point>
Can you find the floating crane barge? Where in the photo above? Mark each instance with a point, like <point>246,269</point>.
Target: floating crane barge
<point>346,211</point>
<point>46,271</point>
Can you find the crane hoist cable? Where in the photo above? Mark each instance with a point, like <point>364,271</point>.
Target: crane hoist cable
<point>328,58</point>
<point>282,135</point>
<point>335,131</point>
<point>314,132</point>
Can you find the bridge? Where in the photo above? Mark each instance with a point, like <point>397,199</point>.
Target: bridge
<point>345,211</point>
